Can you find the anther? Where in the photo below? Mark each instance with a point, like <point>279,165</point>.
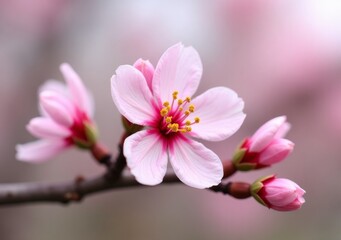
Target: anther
<point>197,120</point>
<point>166,104</point>
<point>175,94</point>
<point>175,127</point>
<point>164,112</point>
<point>180,101</point>
<point>188,99</point>
<point>191,108</point>
<point>168,119</point>
<point>188,123</point>
<point>188,128</point>
<point>187,112</point>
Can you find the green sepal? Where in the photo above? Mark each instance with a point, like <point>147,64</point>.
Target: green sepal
<point>257,186</point>
<point>81,143</point>
<point>238,156</point>
<point>91,133</point>
<point>129,127</point>
<point>244,167</point>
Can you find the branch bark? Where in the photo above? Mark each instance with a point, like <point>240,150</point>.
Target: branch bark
<point>77,189</point>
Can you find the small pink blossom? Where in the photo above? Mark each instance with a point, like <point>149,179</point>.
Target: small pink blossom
<point>266,147</point>
<point>161,101</point>
<point>278,193</point>
<point>66,112</point>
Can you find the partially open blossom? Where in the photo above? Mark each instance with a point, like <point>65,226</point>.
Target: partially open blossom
<point>266,147</point>
<point>278,193</point>
<point>66,119</point>
<point>162,103</point>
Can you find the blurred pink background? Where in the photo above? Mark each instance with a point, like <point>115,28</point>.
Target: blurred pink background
<point>282,57</point>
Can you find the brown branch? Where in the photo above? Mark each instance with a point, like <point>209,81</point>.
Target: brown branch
<point>76,190</point>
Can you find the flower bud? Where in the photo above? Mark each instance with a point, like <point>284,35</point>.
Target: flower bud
<point>278,193</point>
<point>266,147</point>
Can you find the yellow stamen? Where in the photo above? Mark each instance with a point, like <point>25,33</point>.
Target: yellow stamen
<point>175,127</point>
<point>180,108</point>
<point>197,120</point>
<point>180,101</point>
<point>188,99</point>
<point>166,104</point>
<point>188,128</point>
<point>187,112</point>
<point>168,119</point>
<point>175,95</point>
<point>188,123</point>
<point>191,108</point>
<point>164,112</point>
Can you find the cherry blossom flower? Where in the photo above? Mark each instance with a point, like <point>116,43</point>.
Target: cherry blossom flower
<point>266,147</point>
<point>162,103</point>
<point>66,112</point>
<point>278,193</point>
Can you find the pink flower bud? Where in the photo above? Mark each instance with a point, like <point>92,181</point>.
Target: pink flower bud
<point>266,147</point>
<point>147,69</point>
<point>278,193</point>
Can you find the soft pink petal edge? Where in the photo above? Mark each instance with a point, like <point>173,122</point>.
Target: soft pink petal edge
<point>40,151</point>
<point>263,136</point>
<point>79,93</point>
<point>132,96</point>
<point>221,114</point>
<point>146,156</point>
<point>179,69</point>
<point>194,164</point>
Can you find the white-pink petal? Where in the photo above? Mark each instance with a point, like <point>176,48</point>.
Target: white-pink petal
<point>179,69</point>
<point>46,128</point>
<point>40,151</point>
<point>146,154</point>
<point>264,135</point>
<point>194,164</point>
<point>132,96</point>
<point>57,107</point>
<point>78,91</point>
<point>221,114</point>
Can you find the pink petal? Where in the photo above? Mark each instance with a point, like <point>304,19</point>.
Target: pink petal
<point>283,130</point>
<point>54,86</point>
<point>146,156</point>
<point>264,135</point>
<point>221,114</point>
<point>194,164</point>
<point>147,69</point>
<point>78,91</point>
<point>132,96</point>
<point>46,128</point>
<point>57,107</point>
<point>276,151</point>
<point>39,151</point>
<point>179,69</point>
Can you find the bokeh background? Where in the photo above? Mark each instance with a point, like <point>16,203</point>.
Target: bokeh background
<point>282,57</point>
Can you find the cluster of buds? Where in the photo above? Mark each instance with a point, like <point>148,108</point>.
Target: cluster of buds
<point>266,147</point>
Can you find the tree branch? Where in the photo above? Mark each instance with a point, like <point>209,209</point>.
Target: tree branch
<point>76,190</point>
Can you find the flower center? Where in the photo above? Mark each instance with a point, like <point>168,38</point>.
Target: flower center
<point>175,115</point>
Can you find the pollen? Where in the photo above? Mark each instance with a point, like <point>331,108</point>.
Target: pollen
<point>175,95</point>
<point>166,104</point>
<point>197,120</point>
<point>188,128</point>
<point>191,108</point>
<point>174,127</point>
<point>168,119</point>
<point>188,99</point>
<point>164,112</point>
<point>187,112</point>
<point>180,101</point>
<point>188,123</point>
